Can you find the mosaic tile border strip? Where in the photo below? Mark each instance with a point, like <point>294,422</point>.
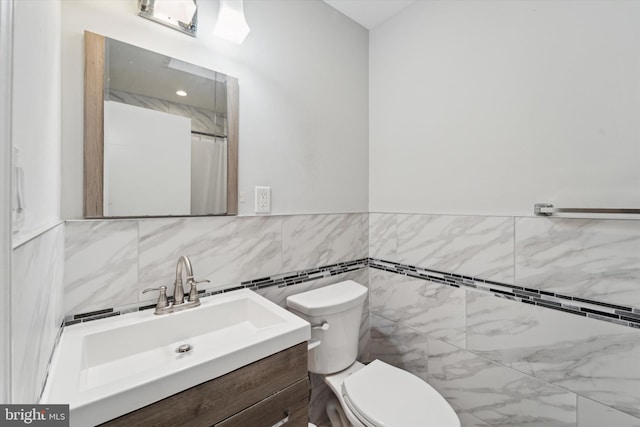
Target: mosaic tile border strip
<point>279,280</point>
<point>618,314</point>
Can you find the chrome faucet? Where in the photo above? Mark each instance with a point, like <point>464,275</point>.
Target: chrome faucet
<point>179,303</point>
<point>178,289</point>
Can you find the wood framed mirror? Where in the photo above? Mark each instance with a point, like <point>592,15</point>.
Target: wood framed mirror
<point>160,134</point>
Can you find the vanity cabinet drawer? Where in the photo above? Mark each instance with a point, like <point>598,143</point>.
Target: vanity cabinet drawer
<point>221,398</point>
<point>287,408</point>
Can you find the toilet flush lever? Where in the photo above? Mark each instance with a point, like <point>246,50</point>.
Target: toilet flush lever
<point>324,326</point>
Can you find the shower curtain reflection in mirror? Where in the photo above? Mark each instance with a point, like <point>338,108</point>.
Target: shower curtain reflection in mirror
<point>208,175</point>
<point>146,161</point>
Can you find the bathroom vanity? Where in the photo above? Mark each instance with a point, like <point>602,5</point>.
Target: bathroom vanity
<point>234,358</point>
<point>263,393</point>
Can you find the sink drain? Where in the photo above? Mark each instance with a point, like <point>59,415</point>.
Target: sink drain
<point>184,348</point>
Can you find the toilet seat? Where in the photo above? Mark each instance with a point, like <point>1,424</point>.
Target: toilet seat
<point>381,395</point>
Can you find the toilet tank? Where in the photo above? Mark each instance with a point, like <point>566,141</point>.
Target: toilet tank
<point>340,306</point>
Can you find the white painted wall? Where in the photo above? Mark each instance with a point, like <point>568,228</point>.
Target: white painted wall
<point>31,30</point>
<point>489,107</point>
<point>36,112</point>
<point>303,96</point>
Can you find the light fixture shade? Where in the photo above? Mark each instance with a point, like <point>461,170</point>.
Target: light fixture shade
<point>231,24</point>
<point>178,10</point>
<point>181,15</point>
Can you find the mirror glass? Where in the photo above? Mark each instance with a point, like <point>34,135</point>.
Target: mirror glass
<point>165,148</point>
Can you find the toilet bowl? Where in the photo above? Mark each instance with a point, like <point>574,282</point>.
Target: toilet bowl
<point>373,395</point>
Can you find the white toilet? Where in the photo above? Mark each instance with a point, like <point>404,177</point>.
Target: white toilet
<point>373,395</point>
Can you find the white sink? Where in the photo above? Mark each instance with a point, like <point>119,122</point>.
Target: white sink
<point>107,368</point>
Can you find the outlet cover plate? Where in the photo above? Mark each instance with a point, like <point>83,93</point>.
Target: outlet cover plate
<point>263,199</point>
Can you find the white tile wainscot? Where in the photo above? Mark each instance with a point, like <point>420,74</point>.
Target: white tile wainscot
<point>593,259</point>
<point>399,346</point>
<point>503,362</point>
<point>589,357</point>
<point>225,250</point>
<point>429,308</point>
<point>110,262</point>
<point>314,240</point>
<point>101,265</point>
<point>496,394</point>
<point>37,311</point>
<point>499,362</point>
<point>471,245</point>
<point>383,236</point>
<point>593,414</point>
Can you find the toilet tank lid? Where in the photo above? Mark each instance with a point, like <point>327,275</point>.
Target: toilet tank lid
<point>329,299</point>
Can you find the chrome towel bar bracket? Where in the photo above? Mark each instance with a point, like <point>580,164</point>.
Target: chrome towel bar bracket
<point>546,209</point>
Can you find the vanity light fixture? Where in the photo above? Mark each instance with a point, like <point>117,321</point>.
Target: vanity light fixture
<point>231,24</point>
<point>181,93</point>
<point>181,15</point>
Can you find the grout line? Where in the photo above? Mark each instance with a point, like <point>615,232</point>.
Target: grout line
<point>34,234</point>
<point>53,350</point>
<point>138,294</point>
<point>514,250</point>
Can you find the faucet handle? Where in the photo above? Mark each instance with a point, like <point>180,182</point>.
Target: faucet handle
<point>163,302</point>
<point>193,291</point>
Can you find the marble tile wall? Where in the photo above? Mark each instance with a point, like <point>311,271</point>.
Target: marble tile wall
<point>494,393</point>
<point>501,362</point>
<point>595,359</point>
<point>471,245</point>
<point>468,420</point>
<point>313,240</point>
<point>429,308</point>
<point>101,264</point>
<point>201,120</point>
<point>593,259</point>
<point>399,345</point>
<point>593,414</point>
<point>224,250</point>
<point>109,262</point>
<point>37,311</point>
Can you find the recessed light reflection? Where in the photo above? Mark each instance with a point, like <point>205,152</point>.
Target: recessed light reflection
<point>181,93</point>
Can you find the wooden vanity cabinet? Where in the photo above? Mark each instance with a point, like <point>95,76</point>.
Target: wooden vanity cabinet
<point>257,395</point>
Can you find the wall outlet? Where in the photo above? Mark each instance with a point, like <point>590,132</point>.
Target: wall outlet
<point>263,199</point>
